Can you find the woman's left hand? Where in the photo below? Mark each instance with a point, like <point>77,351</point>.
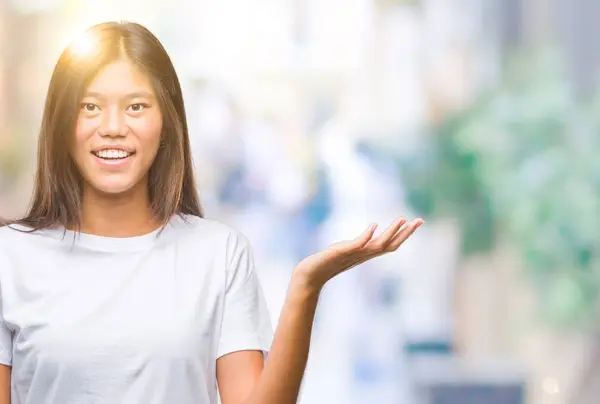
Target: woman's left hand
<point>319,268</point>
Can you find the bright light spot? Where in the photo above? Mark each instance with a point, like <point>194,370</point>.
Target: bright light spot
<point>550,386</point>
<point>83,45</point>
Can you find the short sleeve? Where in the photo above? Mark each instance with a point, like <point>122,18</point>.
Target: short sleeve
<point>246,323</point>
<point>5,343</point>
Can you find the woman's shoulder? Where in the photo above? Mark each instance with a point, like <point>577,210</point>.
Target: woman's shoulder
<point>10,232</point>
<point>200,228</point>
<point>14,235</point>
<point>15,239</point>
<point>202,225</point>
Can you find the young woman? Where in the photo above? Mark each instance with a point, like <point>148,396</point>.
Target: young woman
<point>114,288</point>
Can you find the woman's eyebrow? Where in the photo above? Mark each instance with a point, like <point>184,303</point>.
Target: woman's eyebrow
<point>136,94</point>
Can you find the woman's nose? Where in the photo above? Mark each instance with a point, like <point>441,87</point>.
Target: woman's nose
<point>113,123</point>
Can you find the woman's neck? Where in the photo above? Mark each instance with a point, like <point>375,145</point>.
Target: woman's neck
<point>124,215</point>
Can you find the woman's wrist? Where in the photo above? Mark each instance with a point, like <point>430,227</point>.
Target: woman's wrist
<point>305,285</point>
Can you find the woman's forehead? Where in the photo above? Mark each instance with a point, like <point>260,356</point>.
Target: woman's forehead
<point>121,79</point>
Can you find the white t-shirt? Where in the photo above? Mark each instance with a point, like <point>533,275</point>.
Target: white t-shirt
<point>127,320</point>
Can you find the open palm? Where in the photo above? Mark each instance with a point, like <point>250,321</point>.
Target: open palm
<point>341,256</point>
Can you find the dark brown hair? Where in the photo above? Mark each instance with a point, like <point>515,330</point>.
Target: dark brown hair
<point>57,196</point>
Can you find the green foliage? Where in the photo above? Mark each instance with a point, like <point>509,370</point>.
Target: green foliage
<point>524,161</point>
<point>443,181</point>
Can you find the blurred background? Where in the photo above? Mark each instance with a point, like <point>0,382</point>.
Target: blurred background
<point>312,118</point>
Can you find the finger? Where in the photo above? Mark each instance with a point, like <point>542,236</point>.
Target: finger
<point>359,242</point>
<point>393,245</point>
<point>403,234</point>
<point>380,243</point>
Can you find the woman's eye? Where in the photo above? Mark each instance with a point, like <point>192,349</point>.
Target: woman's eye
<point>138,107</point>
<point>87,107</point>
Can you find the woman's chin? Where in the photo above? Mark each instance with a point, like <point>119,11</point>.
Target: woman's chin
<point>113,188</point>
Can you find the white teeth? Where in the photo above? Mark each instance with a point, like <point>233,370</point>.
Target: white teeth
<point>112,154</point>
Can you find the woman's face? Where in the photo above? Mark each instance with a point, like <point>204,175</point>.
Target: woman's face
<point>118,130</point>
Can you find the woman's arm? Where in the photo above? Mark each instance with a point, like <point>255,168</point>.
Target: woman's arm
<point>4,384</point>
<point>280,381</point>
<point>240,374</point>
<point>281,378</point>
<point>237,375</point>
